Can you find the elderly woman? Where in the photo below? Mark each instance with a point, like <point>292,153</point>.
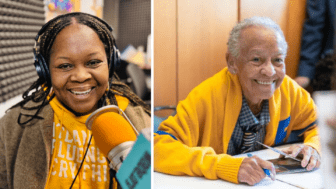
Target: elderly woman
<point>250,100</point>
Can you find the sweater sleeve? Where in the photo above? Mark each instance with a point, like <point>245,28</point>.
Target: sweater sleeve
<point>182,147</point>
<point>7,130</point>
<point>138,117</point>
<point>304,118</point>
<point>174,157</point>
<point>3,170</point>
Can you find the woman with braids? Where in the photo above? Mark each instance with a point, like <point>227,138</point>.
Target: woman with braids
<point>43,138</point>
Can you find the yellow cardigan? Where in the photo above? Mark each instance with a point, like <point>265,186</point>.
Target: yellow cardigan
<point>194,142</point>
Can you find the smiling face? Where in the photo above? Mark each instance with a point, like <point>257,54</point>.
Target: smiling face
<point>78,68</point>
<point>260,65</point>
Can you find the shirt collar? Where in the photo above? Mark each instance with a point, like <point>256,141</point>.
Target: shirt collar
<point>247,118</point>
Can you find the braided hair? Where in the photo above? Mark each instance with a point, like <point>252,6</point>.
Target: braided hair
<point>39,90</point>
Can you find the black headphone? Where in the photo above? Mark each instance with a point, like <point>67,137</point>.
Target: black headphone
<point>41,65</point>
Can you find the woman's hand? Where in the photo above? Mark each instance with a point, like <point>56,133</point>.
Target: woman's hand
<point>332,144</point>
<point>332,123</point>
<point>311,158</point>
<point>251,170</point>
<point>303,81</point>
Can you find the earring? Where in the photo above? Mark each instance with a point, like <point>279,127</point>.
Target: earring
<point>108,87</point>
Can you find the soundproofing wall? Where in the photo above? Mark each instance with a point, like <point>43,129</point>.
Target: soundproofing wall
<point>134,23</point>
<point>20,21</point>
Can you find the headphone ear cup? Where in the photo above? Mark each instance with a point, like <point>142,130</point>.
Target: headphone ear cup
<point>115,61</point>
<point>42,69</point>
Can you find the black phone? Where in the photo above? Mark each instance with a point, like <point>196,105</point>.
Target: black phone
<point>287,165</point>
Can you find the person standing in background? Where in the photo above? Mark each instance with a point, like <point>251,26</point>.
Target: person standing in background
<point>318,38</point>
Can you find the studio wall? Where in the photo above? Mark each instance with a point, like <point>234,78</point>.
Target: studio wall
<point>190,39</point>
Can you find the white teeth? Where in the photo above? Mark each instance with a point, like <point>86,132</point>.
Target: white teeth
<point>265,82</point>
<point>81,93</point>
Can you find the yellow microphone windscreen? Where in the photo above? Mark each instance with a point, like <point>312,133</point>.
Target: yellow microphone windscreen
<point>111,129</point>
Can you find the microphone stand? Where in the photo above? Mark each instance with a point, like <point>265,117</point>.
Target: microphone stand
<point>113,175</point>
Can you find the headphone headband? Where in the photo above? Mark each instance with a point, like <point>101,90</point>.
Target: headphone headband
<point>42,30</point>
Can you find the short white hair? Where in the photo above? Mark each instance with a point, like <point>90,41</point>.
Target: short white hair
<point>234,43</point>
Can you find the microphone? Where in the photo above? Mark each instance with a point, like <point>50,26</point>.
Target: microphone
<point>117,138</point>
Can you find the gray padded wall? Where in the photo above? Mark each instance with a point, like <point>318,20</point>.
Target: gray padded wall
<point>20,21</point>
<point>134,23</point>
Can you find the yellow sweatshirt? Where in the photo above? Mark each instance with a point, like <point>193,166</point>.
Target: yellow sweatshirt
<point>194,142</point>
<point>70,141</point>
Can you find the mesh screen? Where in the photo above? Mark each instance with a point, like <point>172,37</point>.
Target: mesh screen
<point>134,23</point>
<point>20,21</point>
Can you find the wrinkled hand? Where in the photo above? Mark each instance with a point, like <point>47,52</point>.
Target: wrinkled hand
<point>311,158</point>
<point>302,81</point>
<point>332,123</point>
<point>251,170</point>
